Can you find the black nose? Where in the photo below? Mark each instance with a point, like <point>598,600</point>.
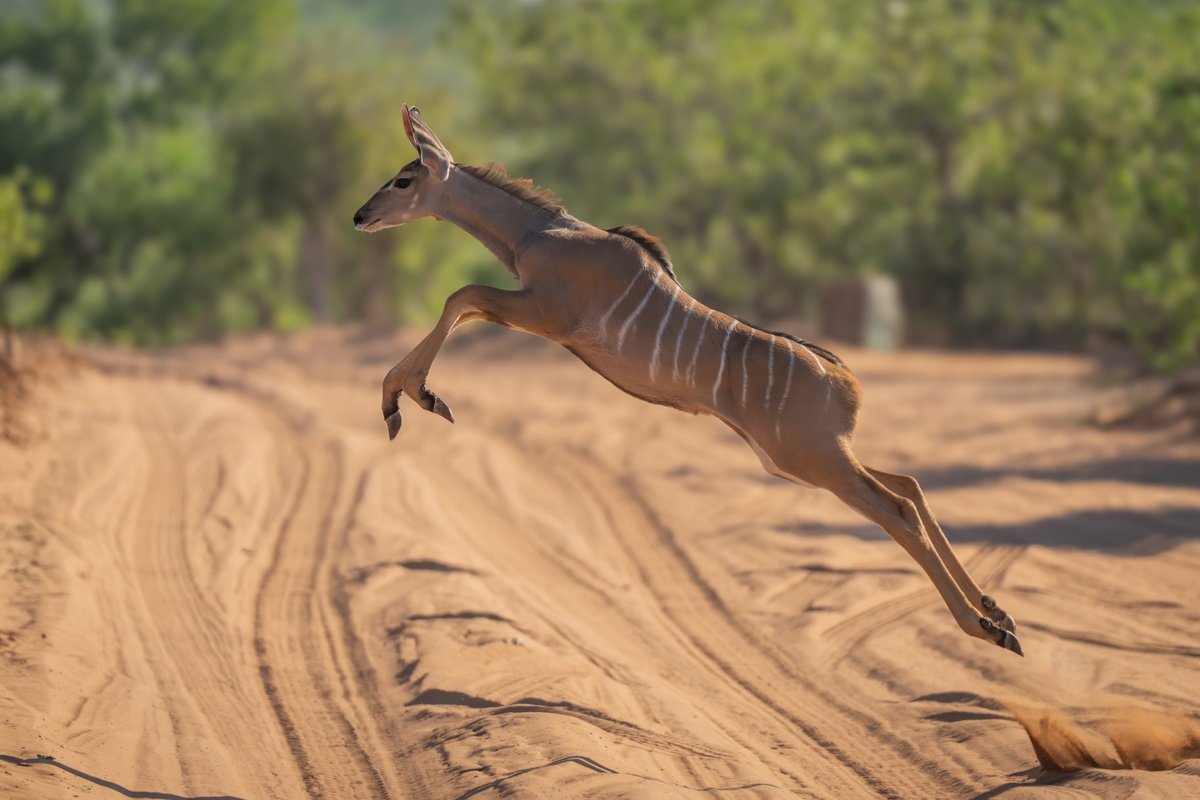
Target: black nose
<point>358,219</point>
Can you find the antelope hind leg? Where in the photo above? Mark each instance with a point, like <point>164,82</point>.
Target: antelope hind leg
<point>898,515</point>
<point>907,486</point>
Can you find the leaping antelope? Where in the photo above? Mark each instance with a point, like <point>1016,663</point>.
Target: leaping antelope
<point>611,297</point>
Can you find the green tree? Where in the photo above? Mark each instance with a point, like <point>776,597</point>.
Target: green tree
<point>1015,164</point>
<point>22,227</point>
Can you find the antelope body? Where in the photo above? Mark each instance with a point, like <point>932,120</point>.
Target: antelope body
<point>612,299</point>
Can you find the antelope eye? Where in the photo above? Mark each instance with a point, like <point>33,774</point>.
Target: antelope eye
<point>402,183</point>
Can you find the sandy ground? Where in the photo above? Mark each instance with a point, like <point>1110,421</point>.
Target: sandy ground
<point>219,580</point>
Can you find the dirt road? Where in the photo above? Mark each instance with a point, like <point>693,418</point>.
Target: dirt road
<point>219,580</point>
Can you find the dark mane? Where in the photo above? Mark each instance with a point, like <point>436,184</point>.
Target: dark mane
<point>523,188</point>
<point>828,355</point>
<point>652,244</point>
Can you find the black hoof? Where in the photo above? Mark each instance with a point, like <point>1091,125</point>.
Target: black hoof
<point>1000,636</point>
<point>442,410</point>
<point>431,402</point>
<point>391,406</point>
<point>998,615</point>
<point>394,422</point>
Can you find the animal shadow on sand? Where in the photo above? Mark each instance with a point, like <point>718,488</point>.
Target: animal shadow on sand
<point>1148,471</point>
<point>1129,532</point>
<point>116,787</point>
<point>1024,781</point>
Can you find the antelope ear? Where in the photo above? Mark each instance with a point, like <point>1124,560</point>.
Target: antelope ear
<point>408,129</point>
<point>433,153</point>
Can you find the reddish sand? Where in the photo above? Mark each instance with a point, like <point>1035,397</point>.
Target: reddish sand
<point>218,579</point>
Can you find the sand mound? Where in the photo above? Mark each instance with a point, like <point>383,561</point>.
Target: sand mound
<point>25,364</point>
<point>1155,403</point>
<point>12,390</point>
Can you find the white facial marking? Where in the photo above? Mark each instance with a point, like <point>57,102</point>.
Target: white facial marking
<point>746,372</point>
<point>687,316</point>
<point>658,336</point>
<point>770,373</point>
<point>691,374</point>
<point>633,316</point>
<point>721,367</point>
<point>613,307</point>
<point>787,387</point>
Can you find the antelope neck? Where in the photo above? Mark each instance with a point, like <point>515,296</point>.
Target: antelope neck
<point>493,216</point>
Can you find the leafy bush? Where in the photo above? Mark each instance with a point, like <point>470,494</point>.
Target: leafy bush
<point>1026,168</point>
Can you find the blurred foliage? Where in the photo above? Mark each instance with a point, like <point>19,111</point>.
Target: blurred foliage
<point>177,170</point>
<point>1026,168</point>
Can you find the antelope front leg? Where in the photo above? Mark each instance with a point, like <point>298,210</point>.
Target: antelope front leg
<point>513,309</point>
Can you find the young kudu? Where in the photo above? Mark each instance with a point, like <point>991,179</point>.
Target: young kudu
<point>612,299</point>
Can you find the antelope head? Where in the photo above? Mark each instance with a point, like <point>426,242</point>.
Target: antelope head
<point>415,190</point>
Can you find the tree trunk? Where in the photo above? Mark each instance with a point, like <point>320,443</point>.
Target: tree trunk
<point>954,243</point>
<point>379,285</point>
<point>314,267</point>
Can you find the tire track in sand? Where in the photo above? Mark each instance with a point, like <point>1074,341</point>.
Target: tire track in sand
<point>289,598</point>
<point>293,636</point>
<point>575,608</point>
<point>884,763</point>
<point>704,630</point>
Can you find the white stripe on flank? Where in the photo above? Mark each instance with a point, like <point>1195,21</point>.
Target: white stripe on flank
<point>658,336</point>
<point>815,358</point>
<point>787,387</point>
<point>770,373</point>
<point>745,372</point>
<point>679,339</point>
<point>691,374</point>
<point>633,316</point>
<point>613,307</point>
<point>721,368</point>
